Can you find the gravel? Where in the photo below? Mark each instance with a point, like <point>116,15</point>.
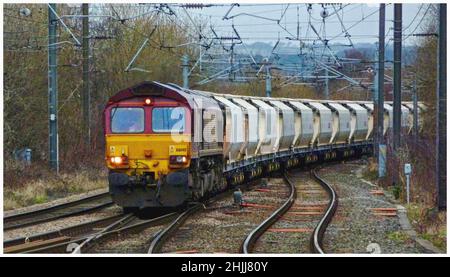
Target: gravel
<point>354,228</point>
<point>212,230</point>
<point>128,243</point>
<point>223,230</point>
<point>308,192</point>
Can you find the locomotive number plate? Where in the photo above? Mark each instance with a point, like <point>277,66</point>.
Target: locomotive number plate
<point>177,150</point>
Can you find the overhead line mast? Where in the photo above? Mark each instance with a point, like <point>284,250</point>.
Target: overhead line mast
<point>397,74</point>
<point>441,143</point>
<point>53,88</point>
<point>86,88</point>
<point>379,103</point>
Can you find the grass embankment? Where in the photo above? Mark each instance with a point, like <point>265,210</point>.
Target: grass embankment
<point>29,185</point>
<point>428,222</point>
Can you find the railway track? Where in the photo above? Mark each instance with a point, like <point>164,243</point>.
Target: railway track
<point>162,236</point>
<point>67,234</point>
<point>317,237</point>
<point>295,207</point>
<point>134,225</point>
<point>81,238</point>
<point>73,208</point>
<point>256,233</point>
<point>171,240</point>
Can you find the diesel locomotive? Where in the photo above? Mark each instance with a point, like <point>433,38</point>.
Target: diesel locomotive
<point>166,145</point>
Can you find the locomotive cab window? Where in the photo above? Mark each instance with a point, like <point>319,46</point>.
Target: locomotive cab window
<point>167,120</point>
<point>127,120</point>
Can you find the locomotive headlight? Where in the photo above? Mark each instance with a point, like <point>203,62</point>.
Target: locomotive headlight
<point>178,159</point>
<point>116,160</point>
<point>181,159</point>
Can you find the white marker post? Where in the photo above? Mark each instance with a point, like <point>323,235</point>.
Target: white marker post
<point>408,171</point>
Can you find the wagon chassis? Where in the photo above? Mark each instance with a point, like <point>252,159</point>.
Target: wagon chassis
<point>319,153</point>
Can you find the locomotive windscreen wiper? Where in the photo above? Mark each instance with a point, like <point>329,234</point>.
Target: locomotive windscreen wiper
<point>114,111</point>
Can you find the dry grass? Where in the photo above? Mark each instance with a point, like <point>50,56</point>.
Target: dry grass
<point>421,155</point>
<point>42,186</point>
<point>429,223</point>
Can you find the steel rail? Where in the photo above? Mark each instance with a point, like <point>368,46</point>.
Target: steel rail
<point>160,237</point>
<point>158,241</point>
<point>71,231</point>
<point>316,241</point>
<point>106,234</point>
<point>42,215</point>
<point>88,242</point>
<point>65,240</point>
<point>251,239</point>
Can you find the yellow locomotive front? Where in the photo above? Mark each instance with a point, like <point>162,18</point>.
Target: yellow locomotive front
<point>148,147</point>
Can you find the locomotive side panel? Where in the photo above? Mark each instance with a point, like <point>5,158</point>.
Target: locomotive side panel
<point>205,171</point>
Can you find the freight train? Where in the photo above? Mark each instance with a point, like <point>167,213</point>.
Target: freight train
<point>166,145</point>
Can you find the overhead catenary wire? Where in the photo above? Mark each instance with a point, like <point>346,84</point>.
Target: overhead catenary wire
<point>414,18</point>
<point>418,24</point>
<point>308,44</point>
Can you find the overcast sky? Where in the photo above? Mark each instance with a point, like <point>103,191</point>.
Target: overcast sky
<point>253,29</point>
